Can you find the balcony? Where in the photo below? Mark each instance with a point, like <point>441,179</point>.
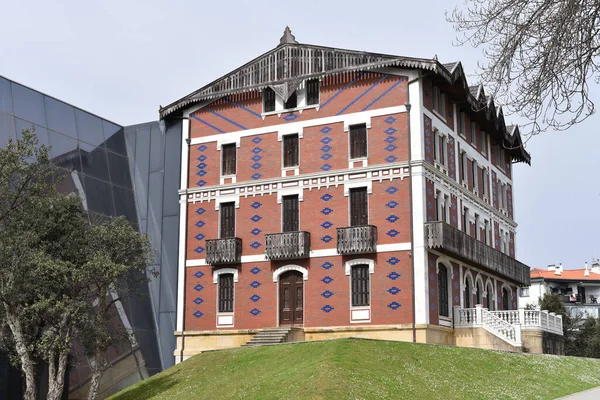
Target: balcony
<point>449,240</point>
<point>357,240</point>
<point>223,251</point>
<point>287,245</point>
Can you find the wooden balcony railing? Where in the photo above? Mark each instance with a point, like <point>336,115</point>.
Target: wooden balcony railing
<point>287,245</point>
<point>357,239</point>
<point>223,251</point>
<point>449,240</point>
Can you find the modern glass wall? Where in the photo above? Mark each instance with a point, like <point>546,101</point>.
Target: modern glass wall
<point>101,163</point>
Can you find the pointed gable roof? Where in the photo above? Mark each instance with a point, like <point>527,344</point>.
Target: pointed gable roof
<point>287,65</point>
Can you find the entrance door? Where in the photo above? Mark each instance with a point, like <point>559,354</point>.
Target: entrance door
<point>291,295</point>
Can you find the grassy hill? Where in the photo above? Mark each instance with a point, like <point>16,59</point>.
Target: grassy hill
<point>354,368</point>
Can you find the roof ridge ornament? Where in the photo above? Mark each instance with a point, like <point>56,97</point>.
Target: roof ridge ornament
<point>287,37</point>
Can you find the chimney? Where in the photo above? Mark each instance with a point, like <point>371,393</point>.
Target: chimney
<point>558,270</point>
<point>596,266</point>
<point>587,271</point>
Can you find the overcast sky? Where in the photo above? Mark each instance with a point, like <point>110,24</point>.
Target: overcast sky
<point>122,59</point>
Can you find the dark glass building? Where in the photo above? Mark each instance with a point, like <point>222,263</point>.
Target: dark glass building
<point>131,171</point>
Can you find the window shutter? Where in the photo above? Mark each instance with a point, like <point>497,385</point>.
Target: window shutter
<point>229,159</point>
<point>358,141</point>
<point>291,214</point>
<point>443,290</point>
<point>226,293</point>
<point>360,285</point>
<point>227,220</point>
<point>269,100</point>
<point>359,207</point>
<point>290,151</point>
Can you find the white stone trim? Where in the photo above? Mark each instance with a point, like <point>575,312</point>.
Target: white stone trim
<point>509,289</point>
<point>359,261</point>
<point>285,130</point>
<point>290,267</point>
<point>226,139</point>
<point>181,261</point>
<point>353,185</point>
<point>347,119</point>
<point>234,198</point>
<point>446,261</point>
<point>381,248</point>
<point>290,192</point>
<point>221,271</point>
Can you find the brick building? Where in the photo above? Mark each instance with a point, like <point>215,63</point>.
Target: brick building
<point>343,193</point>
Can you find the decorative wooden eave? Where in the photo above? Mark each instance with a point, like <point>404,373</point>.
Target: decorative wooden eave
<point>287,65</point>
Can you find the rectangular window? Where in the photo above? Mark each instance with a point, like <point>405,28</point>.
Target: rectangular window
<point>464,163</point>
<point>268,100</point>
<point>524,292</point>
<point>227,220</point>
<point>225,293</point>
<point>445,216</point>
<point>312,92</point>
<point>291,213</point>
<point>229,159</point>
<point>483,143</point>
<point>439,101</point>
<point>358,141</point>
<point>360,285</point>
<point>438,196</point>
<point>502,246</point>
<point>500,157</point>
<point>359,207</point>
<point>292,101</point>
<point>465,221</point>
<point>477,230</point>
<point>484,180</point>
<point>462,129</point>
<point>290,151</point>
<point>474,174</point>
<point>444,310</point>
<point>473,134</point>
<point>487,231</point>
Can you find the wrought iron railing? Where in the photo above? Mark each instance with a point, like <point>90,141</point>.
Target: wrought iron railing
<point>223,251</point>
<point>357,239</point>
<point>449,240</point>
<point>287,245</point>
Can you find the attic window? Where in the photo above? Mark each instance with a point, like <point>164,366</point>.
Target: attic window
<point>292,102</point>
<point>439,101</point>
<point>312,92</point>
<point>269,100</point>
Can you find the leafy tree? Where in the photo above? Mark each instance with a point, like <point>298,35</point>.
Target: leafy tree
<point>117,269</point>
<point>57,269</point>
<point>541,55</point>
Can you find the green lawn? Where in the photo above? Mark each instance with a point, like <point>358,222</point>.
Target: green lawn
<point>356,369</point>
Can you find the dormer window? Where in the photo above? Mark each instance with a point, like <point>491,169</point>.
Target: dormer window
<point>269,100</point>
<point>292,102</point>
<point>312,92</point>
<point>307,95</point>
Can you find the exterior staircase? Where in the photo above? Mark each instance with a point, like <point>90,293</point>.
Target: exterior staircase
<point>269,336</point>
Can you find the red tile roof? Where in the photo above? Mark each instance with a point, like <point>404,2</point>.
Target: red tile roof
<point>566,274</point>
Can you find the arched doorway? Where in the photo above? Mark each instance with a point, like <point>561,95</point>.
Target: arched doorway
<point>468,293</point>
<point>291,298</point>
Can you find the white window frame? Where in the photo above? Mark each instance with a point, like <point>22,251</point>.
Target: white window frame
<point>359,314</point>
<point>477,228</point>
<point>225,319</point>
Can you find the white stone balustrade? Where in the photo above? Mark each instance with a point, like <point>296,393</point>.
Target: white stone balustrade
<point>524,319</point>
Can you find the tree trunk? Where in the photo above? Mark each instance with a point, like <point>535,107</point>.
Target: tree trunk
<point>98,369</point>
<point>56,379</point>
<point>27,363</point>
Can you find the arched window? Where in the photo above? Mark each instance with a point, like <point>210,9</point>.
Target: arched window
<point>478,294</point>
<point>505,305</point>
<point>490,299</point>
<point>360,285</point>
<point>443,308</point>
<point>468,293</point>
<point>225,293</point>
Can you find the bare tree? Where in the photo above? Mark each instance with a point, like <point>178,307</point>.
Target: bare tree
<point>541,55</point>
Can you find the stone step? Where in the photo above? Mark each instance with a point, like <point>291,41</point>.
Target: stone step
<point>267,340</point>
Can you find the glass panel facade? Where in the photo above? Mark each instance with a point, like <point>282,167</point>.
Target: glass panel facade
<point>101,159</point>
